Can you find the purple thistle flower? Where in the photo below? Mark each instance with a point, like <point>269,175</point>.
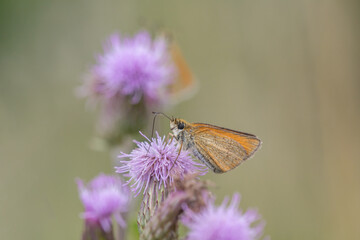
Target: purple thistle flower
<point>188,192</point>
<point>224,223</point>
<point>130,77</point>
<point>104,197</point>
<point>157,161</point>
<point>132,68</point>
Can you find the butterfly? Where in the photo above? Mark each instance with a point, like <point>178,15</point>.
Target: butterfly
<point>220,149</point>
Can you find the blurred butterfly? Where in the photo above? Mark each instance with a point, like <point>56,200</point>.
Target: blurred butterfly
<point>185,85</point>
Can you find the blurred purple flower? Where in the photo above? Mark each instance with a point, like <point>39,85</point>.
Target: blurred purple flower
<point>104,197</point>
<point>224,223</point>
<point>154,162</point>
<point>130,77</point>
<point>133,68</point>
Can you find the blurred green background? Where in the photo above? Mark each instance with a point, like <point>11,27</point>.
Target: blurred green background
<point>287,71</point>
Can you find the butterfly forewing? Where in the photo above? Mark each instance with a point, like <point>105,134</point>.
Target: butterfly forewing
<point>222,148</point>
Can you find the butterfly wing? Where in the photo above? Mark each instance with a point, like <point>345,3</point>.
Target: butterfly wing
<point>222,149</point>
<point>185,85</point>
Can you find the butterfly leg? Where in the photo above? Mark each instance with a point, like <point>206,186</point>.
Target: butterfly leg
<point>177,155</point>
<point>172,137</point>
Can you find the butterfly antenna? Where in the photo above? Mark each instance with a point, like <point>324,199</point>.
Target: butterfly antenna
<point>157,113</point>
<point>153,124</point>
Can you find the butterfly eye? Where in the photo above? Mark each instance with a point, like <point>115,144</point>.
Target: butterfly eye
<point>181,125</point>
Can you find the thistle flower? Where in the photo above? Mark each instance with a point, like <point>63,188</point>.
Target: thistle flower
<point>156,161</point>
<point>188,193</point>
<point>104,197</point>
<point>152,167</point>
<point>224,223</point>
<point>130,77</point>
<point>135,68</point>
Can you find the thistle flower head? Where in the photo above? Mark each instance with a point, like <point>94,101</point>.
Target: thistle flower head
<point>132,68</point>
<point>156,161</point>
<point>224,222</point>
<point>188,193</point>
<point>131,76</point>
<point>104,197</point>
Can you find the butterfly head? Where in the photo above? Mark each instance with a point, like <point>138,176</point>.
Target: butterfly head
<point>177,126</point>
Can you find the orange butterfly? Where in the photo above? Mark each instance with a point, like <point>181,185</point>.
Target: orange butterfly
<point>220,149</point>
